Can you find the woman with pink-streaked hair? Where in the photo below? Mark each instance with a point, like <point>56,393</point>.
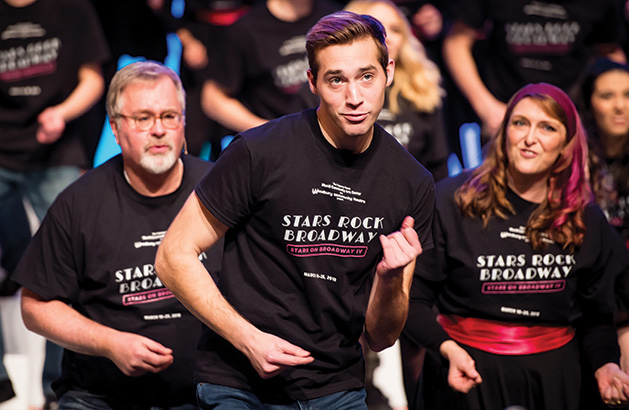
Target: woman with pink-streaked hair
<point>523,257</point>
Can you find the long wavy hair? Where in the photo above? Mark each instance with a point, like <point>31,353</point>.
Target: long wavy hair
<point>560,216</point>
<point>417,78</point>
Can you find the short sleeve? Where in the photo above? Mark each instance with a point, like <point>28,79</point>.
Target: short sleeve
<point>49,265</point>
<point>230,73</point>
<point>226,190</point>
<point>91,40</point>
<point>471,12</point>
<point>424,213</point>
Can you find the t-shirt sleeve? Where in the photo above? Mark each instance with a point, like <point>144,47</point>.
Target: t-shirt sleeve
<point>49,265</point>
<point>471,12</point>
<point>436,150</point>
<point>424,213</point>
<point>226,190</point>
<point>431,264</point>
<point>230,73</point>
<point>90,35</point>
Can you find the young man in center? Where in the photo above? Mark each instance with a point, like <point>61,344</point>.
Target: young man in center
<point>323,214</point>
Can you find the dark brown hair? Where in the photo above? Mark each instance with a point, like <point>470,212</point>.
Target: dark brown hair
<point>344,27</point>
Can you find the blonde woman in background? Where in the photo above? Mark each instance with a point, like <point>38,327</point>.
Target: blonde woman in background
<point>412,109</point>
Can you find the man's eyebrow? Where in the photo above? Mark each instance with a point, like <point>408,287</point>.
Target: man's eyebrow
<point>367,68</point>
<point>333,72</point>
<point>340,71</point>
<point>149,111</point>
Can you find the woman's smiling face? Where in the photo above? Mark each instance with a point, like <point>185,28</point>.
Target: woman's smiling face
<point>534,140</point>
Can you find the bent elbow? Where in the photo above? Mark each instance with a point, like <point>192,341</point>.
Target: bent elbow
<point>378,345</point>
<point>161,263</point>
<point>211,98</point>
<point>28,319</point>
<point>28,307</point>
<point>100,87</point>
<point>165,262</point>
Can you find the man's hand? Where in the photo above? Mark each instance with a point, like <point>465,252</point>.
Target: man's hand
<point>136,355</point>
<point>613,385</point>
<point>400,248</point>
<point>462,374</point>
<point>51,125</point>
<point>270,355</point>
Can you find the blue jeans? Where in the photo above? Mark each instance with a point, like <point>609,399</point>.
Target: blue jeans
<point>80,400</point>
<point>41,187</point>
<point>212,396</point>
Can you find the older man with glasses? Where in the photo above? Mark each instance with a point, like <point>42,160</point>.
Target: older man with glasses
<point>88,275</point>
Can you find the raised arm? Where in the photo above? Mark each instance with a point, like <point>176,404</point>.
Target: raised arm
<point>457,54</point>
<point>193,231</point>
<point>53,120</point>
<point>133,354</point>
<point>388,302</point>
<point>226,110</point>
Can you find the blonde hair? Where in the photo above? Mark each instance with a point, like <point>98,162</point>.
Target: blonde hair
<point>417,78</point>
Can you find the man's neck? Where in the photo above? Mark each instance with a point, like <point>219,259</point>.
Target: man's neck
<point>290,10</point>
<point>356,144</point>
<point>153,185</point>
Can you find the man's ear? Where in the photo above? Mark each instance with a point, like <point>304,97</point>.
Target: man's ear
<point>390,71</point>
<point>312,82</point>
<point>114,129</point>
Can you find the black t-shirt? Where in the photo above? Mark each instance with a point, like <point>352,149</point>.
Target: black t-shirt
<point>617,206</point>
<point>494,273</point>
<point>302,247</point>
<point>95,250</point>
<point>42,47</point>
<point>132,27</point>
<point>263,61</point>
<point>421,133</point>
<point>532,41</point>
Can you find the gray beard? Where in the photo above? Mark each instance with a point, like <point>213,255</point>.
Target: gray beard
<point>159,164</point>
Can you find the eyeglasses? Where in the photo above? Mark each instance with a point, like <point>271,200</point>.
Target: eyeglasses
<point>146,121</point>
